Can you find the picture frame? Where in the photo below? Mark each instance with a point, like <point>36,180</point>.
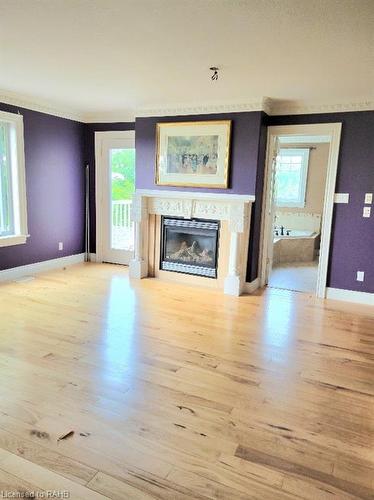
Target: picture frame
<point>193,154</point>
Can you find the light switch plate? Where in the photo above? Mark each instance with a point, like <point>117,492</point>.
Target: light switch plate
<point>368,198</point>
<point>341,198</point>
<point>360,275</point>
<point>61,245</point>
<point>366,212</point>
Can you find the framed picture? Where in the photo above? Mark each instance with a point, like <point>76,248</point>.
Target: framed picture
<point>193,154</point>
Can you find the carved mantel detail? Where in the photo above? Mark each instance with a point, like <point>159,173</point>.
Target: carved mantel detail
<point>235,209</point>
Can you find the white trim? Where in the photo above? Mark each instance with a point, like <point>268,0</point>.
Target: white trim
<point>333,130</point>
<point>304,108</point>
<point>350,296</point>
<point>163,193</point>
<point>186,109</point>
<point>252,286</point>
<point>18,182</point>
<point>215,206</point>
<point>92,257</point>
<point>100,137</point>
<point>120,116</point>
<point>266,104</point>
<point>34,104</point>
<point>270,106</point>
<point>115,134</point>
<point>8,241</point>
<point>304,139</point>
<point>40,267</point>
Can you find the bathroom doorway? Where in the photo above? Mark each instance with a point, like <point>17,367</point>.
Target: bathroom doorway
<point>299,195</point>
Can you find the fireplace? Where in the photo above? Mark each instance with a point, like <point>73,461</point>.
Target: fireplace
<point>190,246</point>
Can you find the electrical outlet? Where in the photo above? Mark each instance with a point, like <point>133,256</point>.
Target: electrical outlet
<point>368,198</point>
<point>61,245</point>
<point>360,275</point>
<point>341,198</point>
<point>366,212</point>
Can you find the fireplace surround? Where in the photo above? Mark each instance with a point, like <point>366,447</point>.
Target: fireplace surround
<point>231,211</point>
<point>189,246</point>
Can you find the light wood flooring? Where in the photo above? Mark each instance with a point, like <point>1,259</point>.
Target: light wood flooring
<point>182,393</point>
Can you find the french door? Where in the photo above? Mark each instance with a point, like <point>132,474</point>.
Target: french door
<point>115,185</point>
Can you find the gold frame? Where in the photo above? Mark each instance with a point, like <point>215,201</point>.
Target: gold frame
<point>223,185</point>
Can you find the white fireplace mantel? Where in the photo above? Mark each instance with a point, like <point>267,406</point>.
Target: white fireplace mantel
<point>235,209</point>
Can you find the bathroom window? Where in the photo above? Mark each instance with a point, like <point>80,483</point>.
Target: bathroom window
<point>13,216</point>
<point>291,175</point>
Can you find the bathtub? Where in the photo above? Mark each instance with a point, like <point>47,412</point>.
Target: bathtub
<point>298,246</point>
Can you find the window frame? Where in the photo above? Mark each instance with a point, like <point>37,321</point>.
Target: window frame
<point>301,202</point>
<point>18,180</point>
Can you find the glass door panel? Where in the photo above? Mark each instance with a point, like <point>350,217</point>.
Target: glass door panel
<point>122,184</point>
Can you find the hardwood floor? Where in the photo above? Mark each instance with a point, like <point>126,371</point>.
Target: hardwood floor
<point>175,392</point>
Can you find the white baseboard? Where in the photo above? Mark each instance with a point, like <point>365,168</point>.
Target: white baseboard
<point>39,267</point>
<point>250,287</point>
<point>93,257</point>
<point>350,296</point>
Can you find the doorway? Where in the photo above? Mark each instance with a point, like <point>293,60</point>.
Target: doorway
<point>301,172</point>
<point>115,186</point>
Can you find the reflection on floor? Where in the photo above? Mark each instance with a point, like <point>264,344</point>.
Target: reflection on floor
<point>300,277</point>
<point>182,393</point>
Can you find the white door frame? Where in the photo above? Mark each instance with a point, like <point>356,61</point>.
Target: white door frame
<point>100,171</point>
<point>333,130</point>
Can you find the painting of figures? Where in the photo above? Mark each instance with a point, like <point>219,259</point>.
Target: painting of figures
<point>196,154</point>
<point>193,153</point>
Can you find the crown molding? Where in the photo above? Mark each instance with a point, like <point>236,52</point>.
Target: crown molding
<point>183,110</point>
<point>277,108</point>
<point>41,106</point>
<point>126,116</point>
<point>272,107</point>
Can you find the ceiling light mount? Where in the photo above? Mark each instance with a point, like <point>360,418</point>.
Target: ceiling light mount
<point>215,72</point>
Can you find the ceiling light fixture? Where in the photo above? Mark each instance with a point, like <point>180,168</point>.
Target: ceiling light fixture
<point>215,72</point>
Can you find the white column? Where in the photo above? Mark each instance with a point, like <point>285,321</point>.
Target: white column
<point>232,284</point>
<point>238,219</point>
<point>139,215</point>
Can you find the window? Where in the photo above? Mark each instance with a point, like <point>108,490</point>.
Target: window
<point>13,216</point>
<point>291,174</point>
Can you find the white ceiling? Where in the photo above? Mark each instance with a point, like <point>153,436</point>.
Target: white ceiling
<point>107,58</point>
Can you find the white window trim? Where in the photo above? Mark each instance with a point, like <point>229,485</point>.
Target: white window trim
<point>18,180</point>
<point>304,152</point>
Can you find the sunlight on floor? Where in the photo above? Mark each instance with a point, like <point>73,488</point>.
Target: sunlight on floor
<point>300,277</point>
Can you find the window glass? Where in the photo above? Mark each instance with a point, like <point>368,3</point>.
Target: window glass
<point>6,208</point>
<point>291,177</point>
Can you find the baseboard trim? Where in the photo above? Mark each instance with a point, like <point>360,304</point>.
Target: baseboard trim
<point>250,287</point>
<point>350,296</point>
<point>39,267</point>
<point>92,257</point>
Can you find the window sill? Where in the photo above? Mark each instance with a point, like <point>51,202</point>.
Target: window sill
<point>8,241</point>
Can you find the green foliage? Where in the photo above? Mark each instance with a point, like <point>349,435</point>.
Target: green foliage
<point>123,163</point>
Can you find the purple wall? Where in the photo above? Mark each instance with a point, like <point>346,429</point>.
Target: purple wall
<point>54,158</point>
<point>352,240</point>
<point>244,151</point>
<point>90,129</point>
<point>248,143</point>
<point>352,243</point>
<point>56,150</point>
